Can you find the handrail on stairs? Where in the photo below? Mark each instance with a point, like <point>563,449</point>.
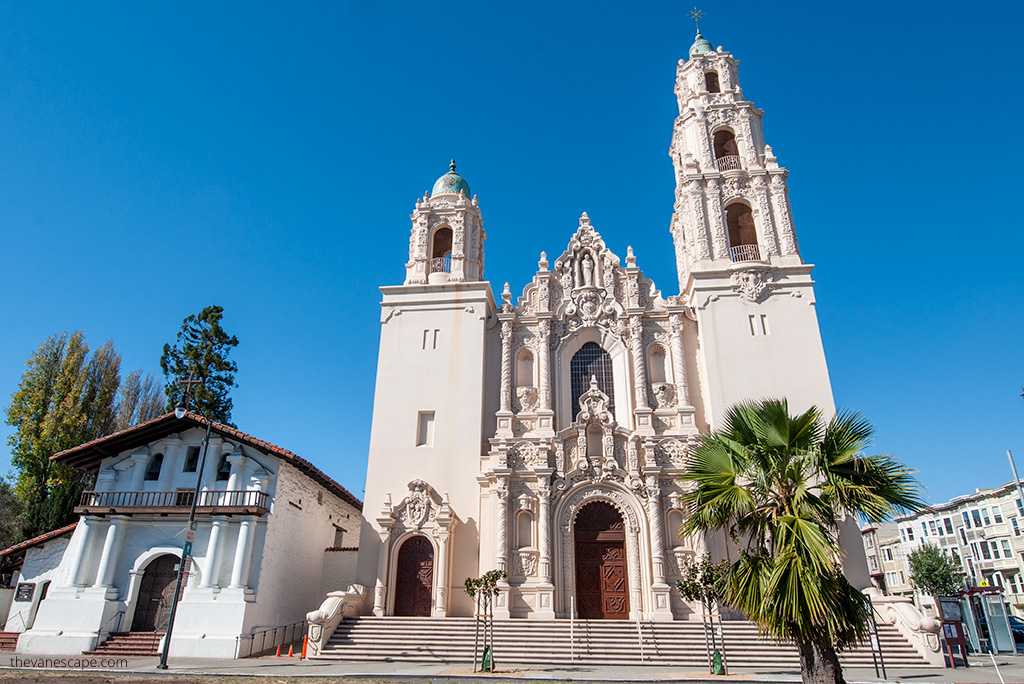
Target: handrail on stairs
<point>639,636</point>
<point>119,614</point>
<point>572,628</point>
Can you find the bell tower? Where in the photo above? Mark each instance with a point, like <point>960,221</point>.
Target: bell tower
<point>736,250</point>
<point>447,242</point>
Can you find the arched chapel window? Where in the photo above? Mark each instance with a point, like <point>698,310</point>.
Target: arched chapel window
<point>153,468</point>
<point>591,361</point>
<point>725,144</point>
<point>441,251</point>
<point>711,79</point>
<point>742,232</point>
<point>223,469</point>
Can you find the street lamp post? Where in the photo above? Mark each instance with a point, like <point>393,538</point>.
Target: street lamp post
<point>186,553</point>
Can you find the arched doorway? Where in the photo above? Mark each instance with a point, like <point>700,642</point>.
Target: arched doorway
<point>156,592</point>
<point>414,578</point>
<point>602,591</point>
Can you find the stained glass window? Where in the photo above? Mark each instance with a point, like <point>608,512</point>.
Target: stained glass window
<point>591,361</point>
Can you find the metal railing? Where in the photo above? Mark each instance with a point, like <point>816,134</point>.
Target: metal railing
<point>119,615</point>
<point>178,499</point>
<point>745,253</point>
<point>730,162</point>
<point>441,264</point>
<point>269,639</point>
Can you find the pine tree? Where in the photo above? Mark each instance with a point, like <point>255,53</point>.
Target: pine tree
<point>202,346</point>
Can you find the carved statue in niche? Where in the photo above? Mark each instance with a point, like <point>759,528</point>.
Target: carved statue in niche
<point>588,270</point>
<point>664,394</point>
<point>527,398</point>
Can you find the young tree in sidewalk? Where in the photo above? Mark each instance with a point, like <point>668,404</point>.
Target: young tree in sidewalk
<point>935,573</point>
<point>202,346</point>
<point>781,486</point>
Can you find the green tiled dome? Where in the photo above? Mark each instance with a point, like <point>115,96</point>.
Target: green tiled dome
<point>451,182</point>
<point>700,46</point>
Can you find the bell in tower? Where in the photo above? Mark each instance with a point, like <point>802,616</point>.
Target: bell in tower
<point>447,242</point>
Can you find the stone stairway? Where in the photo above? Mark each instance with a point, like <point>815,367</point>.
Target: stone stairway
<point>597,642</point>
<point>8,641</point>
<point>130,644</point>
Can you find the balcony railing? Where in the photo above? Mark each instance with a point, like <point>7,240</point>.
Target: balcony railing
<point>745,253</point>
<point>249,502</point>
<point>441,264</point>
<point>729,162</point>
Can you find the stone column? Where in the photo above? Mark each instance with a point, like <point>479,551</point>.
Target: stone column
<point>212,461</point>
<point>764,210</point>
<point>720,240</point>
<point>544,360</point>
<point>111,550</point>
<point>172,450</point>
<point>544,527</point>
<point>502,552</point>
<point>243,552</point>
<point>780,199</point>
<point>105,480</point>
<point>380,590</point>
<point>213,552</point>
<point>679,362</point>
<point>78,560</point>
<point>636,329</point>
<point>139,461</point>
<point>506,365</point>
<point>657,535</point>
<point>699,220</point>
<point>441,600</point>
<point>236,480</point>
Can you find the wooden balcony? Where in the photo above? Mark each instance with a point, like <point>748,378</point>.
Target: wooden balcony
<point>247,502</point>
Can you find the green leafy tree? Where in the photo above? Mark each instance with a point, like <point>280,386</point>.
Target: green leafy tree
<point>140,399</point>
<point>202,347</point>
<point>781,487</point>
<point>934,571</point>
<point>10,511</point>
<point>66,397</point>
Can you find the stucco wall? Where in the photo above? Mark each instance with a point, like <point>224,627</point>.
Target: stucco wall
<point>301,527</point>
<point>42,564</point>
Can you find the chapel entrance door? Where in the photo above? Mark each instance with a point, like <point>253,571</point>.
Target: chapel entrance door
<point>601,588</point>
<point>156,592</point>
<point>414,578</point>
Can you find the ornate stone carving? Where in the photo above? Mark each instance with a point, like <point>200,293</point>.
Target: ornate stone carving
<point>526,399</point>
<point>752,284</point>
<point>527,455</point>
<point>524,563</point>
<point>664,394</point>
<point>417,505</point>
<point>671,452</point>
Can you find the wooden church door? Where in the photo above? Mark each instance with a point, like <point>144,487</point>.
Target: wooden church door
<point>155,594</point>
<point>601,588</point>
<point>414,578</point>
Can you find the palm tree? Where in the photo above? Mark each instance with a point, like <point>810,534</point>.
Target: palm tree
<point>781,487</point>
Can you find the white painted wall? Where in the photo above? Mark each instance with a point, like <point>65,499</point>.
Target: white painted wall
<point>42,564</point>
<point>448,380</point>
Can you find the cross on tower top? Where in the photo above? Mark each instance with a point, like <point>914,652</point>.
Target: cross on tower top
<point>696,14</point>
<point>187,384</point>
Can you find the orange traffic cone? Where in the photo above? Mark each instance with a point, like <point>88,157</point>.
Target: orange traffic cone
<point>290,654</point>
<point>278,654</point>
<point>305,644</point>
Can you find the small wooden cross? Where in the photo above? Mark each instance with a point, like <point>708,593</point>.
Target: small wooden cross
<point>187,385</point>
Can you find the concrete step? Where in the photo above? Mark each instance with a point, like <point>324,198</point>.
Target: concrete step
<point>612,642</point>
<point>129,644</point>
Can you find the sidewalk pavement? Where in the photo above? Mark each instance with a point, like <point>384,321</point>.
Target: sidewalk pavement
<point>982,671</point>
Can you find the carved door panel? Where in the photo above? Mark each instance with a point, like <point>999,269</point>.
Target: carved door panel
<point>414,578</point>
<point>601,586</point>
<point>155,593</point>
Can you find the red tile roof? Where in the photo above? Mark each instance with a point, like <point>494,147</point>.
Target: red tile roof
<point>41,539</point>
<point>88,456</point>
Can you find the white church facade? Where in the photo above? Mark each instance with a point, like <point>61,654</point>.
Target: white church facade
<point>544,434</point>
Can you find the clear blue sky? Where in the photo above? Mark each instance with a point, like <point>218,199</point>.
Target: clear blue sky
<point>159,157</point>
